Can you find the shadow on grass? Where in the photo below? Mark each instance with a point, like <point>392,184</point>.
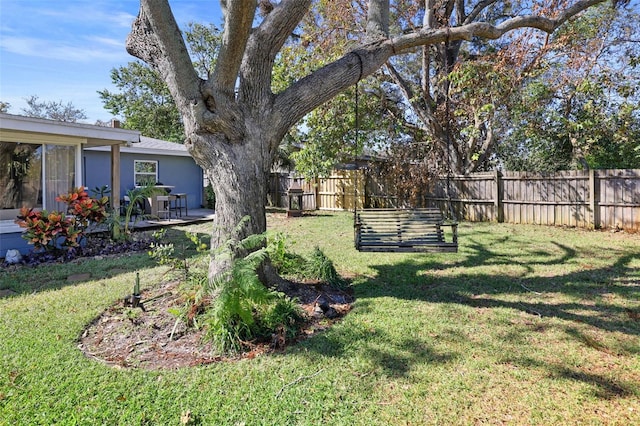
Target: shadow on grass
<point>482,276</point>
<point>602,386</point>
<point>415,280</point>
<point>395,359</point>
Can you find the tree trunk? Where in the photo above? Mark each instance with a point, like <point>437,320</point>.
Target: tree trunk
<point>239,173</point>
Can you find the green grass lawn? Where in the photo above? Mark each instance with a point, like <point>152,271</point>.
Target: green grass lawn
<point>525,325</point>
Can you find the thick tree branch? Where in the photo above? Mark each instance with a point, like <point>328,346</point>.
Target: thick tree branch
<point>325,83</point>
<point>479,7</point>
<point>238,18</point>
<point>422,109</point>
<point>404,86</point>
<point>264,44</point>
<point>487,31</point>
<point>378,20</point>
<point>156,39</point>
<point>333,78</point>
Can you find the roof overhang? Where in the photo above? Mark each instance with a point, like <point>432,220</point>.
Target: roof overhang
<point>17,128</point>
<point>152,146</point>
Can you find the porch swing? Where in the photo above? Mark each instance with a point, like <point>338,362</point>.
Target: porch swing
<point>395,230</point>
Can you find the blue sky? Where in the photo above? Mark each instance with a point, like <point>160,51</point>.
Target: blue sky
<point>64,50</point>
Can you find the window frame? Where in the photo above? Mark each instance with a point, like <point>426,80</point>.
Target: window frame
<point>136,173</point>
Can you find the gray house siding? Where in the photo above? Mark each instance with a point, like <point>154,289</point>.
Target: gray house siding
<point>181,172</point>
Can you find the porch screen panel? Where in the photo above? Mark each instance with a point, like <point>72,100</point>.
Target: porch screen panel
<point>60,174</point>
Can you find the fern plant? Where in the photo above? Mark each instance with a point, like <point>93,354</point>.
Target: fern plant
<point>243,308</point>
<point>285,262</point>
<point>236,293</point>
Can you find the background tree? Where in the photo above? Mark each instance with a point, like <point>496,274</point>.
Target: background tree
<point>4,107</point>
<point>459,101</point>
<point>326,135</point>
<point>143,100</point>
<point>234,122</point>
<point>53,110</point>
<point>579,107</point>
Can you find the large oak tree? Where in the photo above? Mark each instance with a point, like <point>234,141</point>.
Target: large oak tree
<point>234,121</point>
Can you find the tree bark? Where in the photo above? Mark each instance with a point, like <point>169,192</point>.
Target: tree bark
<point>240,187</point>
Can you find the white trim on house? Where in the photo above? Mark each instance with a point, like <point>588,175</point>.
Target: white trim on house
<point>151,146</point>
<point>39,130</point>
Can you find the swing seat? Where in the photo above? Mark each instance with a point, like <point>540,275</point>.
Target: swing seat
<point>403,230</point>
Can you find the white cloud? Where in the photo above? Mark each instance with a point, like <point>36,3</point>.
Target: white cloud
<point>98,49</point>
<point>89,13</point>
<point>107,41</point>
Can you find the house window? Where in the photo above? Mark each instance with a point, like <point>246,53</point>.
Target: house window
<point>33,175</point>
<point>145,172</point>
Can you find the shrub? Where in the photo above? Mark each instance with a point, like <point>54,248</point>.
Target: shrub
<point>283,318</point>
<point>320,267</point>
<point>285,262</point>
<point>237,297</point>
<point>48,230</point>
<point>243,309</point>
<point>86,209</point>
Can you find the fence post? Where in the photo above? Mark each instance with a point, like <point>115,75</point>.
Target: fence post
<point>497,200</point>
<point>594,199</point>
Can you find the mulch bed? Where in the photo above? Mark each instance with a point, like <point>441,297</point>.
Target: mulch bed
<point>126,337</point>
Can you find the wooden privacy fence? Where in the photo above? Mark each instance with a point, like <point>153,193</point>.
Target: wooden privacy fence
<point>333,193</point>
<point>589,199</point>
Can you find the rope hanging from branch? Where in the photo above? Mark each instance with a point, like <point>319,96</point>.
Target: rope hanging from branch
<point>412,230</point>
<point>356,144</point>
<point>448,123</point>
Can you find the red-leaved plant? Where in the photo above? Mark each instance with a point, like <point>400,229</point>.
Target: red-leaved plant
<point>86,209</point>
<point>48,230</point>
<point>52,230</point>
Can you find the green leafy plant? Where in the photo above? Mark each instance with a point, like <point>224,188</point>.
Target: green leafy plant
<point>195,301</point>
<point>201,246</point>
<point>235,296</point>
<point>137,197</point>
<point>282,319</point>
<point>163,254</point>
<point>285,262</point>
<point>243,309</point>
<point>85,208</point>
<point>48,230</point>
<point>320,267</point>
<point>210,197</point>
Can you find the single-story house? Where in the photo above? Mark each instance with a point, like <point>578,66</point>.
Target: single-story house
<point>40,159</point>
